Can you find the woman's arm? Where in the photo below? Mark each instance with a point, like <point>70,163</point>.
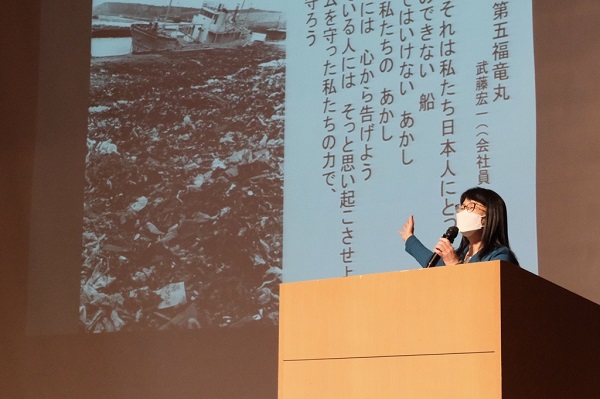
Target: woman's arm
<point>419,251</point>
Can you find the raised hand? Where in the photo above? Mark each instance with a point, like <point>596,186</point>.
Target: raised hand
<point>408,229</point>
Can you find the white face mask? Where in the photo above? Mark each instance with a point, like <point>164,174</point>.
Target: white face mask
<point>468,222</point>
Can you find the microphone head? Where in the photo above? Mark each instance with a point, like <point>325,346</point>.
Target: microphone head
<point>451,233</point>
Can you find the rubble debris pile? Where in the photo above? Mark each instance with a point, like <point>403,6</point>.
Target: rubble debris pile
<point>183,196</point>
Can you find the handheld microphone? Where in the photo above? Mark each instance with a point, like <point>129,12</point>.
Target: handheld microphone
<point>450,235</point>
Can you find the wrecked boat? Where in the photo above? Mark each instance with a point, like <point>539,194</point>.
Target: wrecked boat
<point>213,27</point>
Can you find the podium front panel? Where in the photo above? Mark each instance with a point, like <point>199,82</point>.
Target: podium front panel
<point>395,330</point>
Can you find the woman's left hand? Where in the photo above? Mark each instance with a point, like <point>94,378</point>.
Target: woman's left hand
<point>408,229</point>
<point>446,251</point>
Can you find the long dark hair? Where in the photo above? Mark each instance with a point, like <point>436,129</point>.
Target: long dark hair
<point>495,231</point>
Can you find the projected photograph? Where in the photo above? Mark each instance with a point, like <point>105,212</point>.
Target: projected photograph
<point>184,168</point>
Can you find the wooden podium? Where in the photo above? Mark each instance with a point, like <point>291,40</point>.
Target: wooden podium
<point>485,330</point>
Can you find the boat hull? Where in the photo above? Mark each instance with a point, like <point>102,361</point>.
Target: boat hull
<point>146,39</point>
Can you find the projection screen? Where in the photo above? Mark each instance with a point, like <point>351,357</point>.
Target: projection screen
<point>226,148</point>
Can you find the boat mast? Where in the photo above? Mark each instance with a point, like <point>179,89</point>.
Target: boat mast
<point>167,14</point>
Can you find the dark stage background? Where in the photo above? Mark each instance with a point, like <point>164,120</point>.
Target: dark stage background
<point>192,364</point>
